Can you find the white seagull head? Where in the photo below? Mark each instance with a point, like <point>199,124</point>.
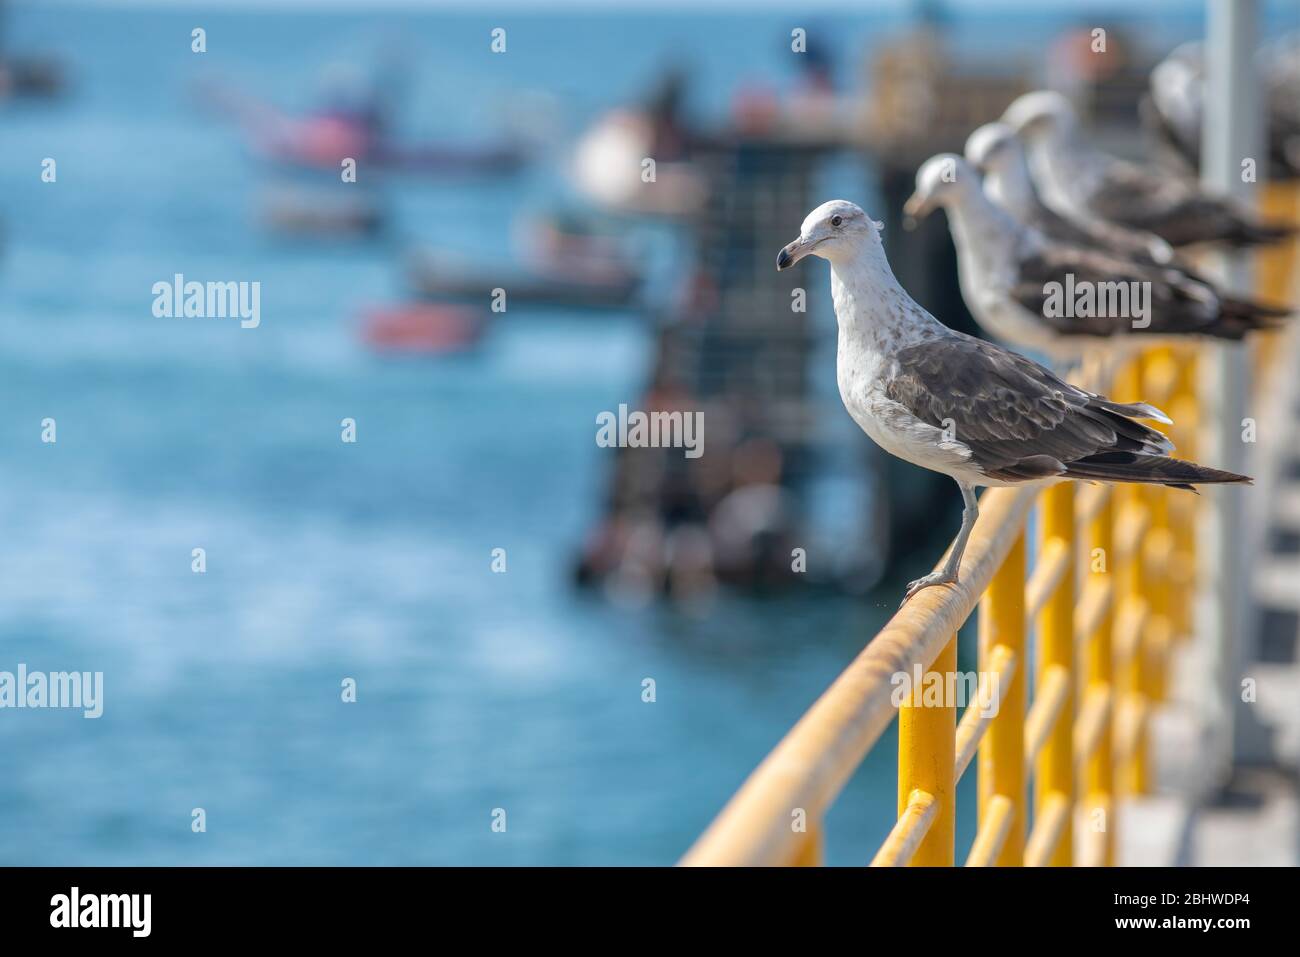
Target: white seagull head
<point>942,180</point>
<point>835,231</point>
<point>1040,114</point>
<point>1177,87</point>
<point>992,147</point>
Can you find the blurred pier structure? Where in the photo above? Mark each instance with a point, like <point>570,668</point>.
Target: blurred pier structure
<point>738,344</point>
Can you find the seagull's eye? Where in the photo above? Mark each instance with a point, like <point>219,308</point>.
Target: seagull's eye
<point>837,220</point>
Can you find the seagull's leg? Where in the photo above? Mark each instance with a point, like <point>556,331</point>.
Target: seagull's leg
<point>948,573</point>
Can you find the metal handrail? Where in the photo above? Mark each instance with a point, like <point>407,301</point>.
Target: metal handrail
<point>1074,755</point>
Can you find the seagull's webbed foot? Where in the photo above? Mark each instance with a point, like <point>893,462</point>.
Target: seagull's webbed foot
<point>941,577</point>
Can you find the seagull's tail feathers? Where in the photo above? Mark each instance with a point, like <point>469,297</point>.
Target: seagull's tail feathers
<point>1246,314</point>
<point>1129,434</point>
<point>1246,232</point>
<point>1147,469</point>
<point>1133,410</point>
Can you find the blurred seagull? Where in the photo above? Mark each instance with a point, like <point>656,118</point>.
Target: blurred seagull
<point>1086,185</point>
<point>1174,109</point>
<point>967,408</point>
<point>999,156</point>
<point>1280,63</point>
<point>1174,106</point>
<point>1055,298</point>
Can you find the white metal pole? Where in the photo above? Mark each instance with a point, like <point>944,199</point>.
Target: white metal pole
<point>1231,133</point>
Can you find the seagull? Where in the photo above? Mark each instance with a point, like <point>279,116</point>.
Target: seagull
<point>1280,63</point>
<point>1086,185</point>
<point>999,156</point>
<point>972,410</point>
<point>1175,106</point>
<point>1057,298</point>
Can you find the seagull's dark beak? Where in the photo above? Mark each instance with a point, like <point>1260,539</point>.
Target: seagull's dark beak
<point>916,207</point>
<point>792,253</point>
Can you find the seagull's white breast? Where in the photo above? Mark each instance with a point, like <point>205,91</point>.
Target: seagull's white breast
<point>862,376</point>
<point>877,319</point>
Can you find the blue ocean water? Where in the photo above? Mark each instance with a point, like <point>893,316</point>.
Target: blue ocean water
<point>327,560</point>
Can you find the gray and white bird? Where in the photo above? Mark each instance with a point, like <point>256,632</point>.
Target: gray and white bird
<point>1086,185</point>
<point>999,156</point>
<point>1280,64</point>
<point>1174,106</point>
<point>967,408</point>
<point>1033,292</point>
<point>1174,109</point>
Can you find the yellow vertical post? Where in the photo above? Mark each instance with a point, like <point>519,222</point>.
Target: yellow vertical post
<point>1276,278</point>
<point>1002,754</point>
<point>1054,771</point>
<point>1182,508</point>
<point>1099,776</point>
<point>1159,378</point>
<point>1131,606</point>
<point>927,752</point>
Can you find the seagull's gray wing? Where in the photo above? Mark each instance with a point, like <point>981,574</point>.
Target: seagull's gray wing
<point>1094,233</point>
<point>1139,244</point>
<point>1059,229</point>
<point>1019,420</point>
<point>1174,208</point>
<point>1178,304</point>
<point>1127,193</point>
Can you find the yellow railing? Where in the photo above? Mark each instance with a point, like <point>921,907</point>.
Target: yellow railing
<point>1109,595</point>
<point>1102,640</point>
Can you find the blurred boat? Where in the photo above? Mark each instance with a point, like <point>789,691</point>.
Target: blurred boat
<point>423,328</point>
<point>319,213</point>
<point>569,264</point>
<point>432,276</point>
<point>324,142</point>
<point>25,76</point>
<point>324,139</point>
